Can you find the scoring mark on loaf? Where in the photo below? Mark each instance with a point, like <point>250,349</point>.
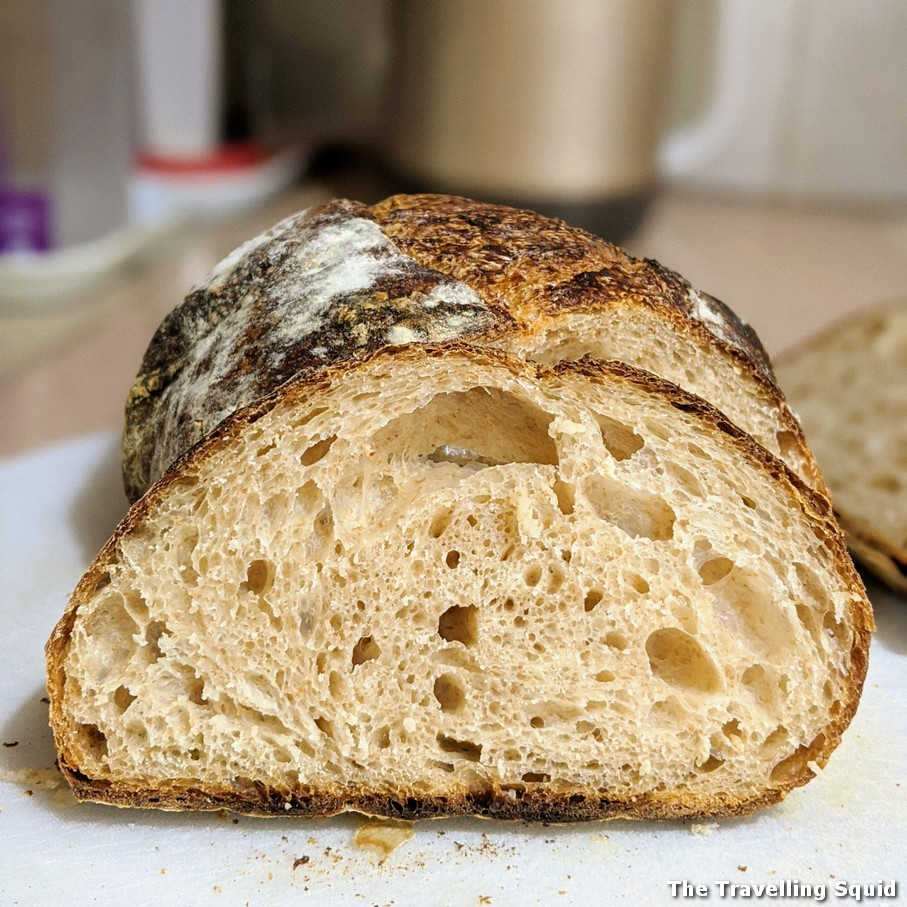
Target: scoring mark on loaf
<point>321,287</point>
<point>722,323</point>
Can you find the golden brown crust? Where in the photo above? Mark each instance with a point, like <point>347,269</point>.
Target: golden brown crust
<point>548,806</point>
<point>448,269</point>
<point>536,266</point>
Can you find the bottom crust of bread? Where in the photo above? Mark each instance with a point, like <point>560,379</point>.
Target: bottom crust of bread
<point>496,803</point>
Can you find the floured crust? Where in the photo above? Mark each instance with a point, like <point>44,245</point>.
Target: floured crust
<point>543,806</point>
<point>343,280</point>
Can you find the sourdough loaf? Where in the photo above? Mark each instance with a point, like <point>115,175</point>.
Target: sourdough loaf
<point>344,280</point>
<point>442,580</point>
<point>381,560</point>
<point>849,386</point>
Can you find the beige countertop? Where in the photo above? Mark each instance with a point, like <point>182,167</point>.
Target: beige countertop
<point>788,270</point>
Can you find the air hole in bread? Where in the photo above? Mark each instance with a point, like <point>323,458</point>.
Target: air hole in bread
<point>122,698</point>
<point>710,764</point>
<point>383,737</point>
<point>566,499</point>
<point>464,749</point>
<point>808,618</point>
<point>830,625</point>
<point>715,569</point>
<point>440,522</point>
<point>452,559</point>
<point>638,513</point>
<point>259,576</point>
<point>184,551</point>
<point>480,427</point>
<point>679,660</point>
<point>757,680</point>
<point>620,440</point>
<point>788,446</point>
<point>638,583</point>
<point>325,726</point>
<point>365,650</point>
<point>685,479</point>
<point>195,690</point>
<point>460,456</point>
<point>336,686</point>
<point>593,597</point>
<point>94,740</point>
<point>536,777</point>
<point>796,765</point>
<point>102,581</point>
<point>318,451</point>
<point>614,639</point>
<point>668,711</point>
<point>731,729</point>
<point>744,604</point>
<point>532,575</point>
<point>459,623</point>
<point>605,677</point>
<point>154,633</point>
<point>449,692</point>
<point>537,721</point>
<point>556,577</point>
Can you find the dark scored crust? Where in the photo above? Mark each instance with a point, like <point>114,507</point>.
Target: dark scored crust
<point>535,265</point>
<point>343,280</point>
<point>491,801</point>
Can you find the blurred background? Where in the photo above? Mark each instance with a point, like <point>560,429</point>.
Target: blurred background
<point>759,148</point>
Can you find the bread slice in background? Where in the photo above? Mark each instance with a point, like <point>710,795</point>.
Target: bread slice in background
<point>442,580</point>
<point>849,387</point>
<point>344,280</point>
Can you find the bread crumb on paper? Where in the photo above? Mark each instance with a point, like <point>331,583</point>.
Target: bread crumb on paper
<point>703,829</point>
<point>385,837</point>
<point>41,778</point>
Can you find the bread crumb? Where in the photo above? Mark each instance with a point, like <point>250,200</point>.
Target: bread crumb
<point>384,836</point>
<point>301,861</point>
<point>42,778</point>
<point>703,829</point>
<point>742,868</point>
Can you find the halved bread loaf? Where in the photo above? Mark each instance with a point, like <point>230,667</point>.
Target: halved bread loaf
<point>443,580</point>
<point>344,280</point>
<point>849,386</point>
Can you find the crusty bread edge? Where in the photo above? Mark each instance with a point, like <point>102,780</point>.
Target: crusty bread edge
<point>876,553</point>
<point>545,806</point>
